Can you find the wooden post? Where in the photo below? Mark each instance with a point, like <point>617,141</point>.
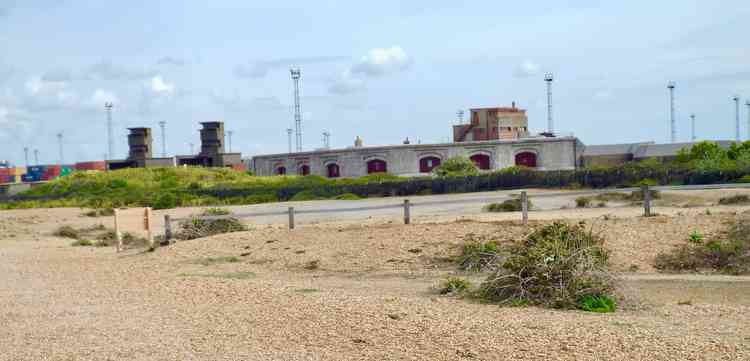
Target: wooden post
<point>291,217</point>
<point>524,207</point>
<point>147,225</point>
<point>167,229</point>
<point>646,201</point>
<point>407,212</point>
<point>118,235</point>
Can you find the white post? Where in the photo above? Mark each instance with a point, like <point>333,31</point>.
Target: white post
<point>407,212</point>
<point>524,207</point>
<point>291,217</point>
<point>118,236</point>
<point>149,234</point>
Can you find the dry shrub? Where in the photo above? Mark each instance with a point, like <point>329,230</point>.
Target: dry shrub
<point>477,254</point>
<point>735,199</point>
<point>199,227</point>
<point>729,253</point>
<point>557,266</point>
<point>510,205</point>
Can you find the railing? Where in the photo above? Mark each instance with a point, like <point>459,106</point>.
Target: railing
<point>407,204</point>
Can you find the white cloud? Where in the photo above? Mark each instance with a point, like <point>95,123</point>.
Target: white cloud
<point>382,61</point>
<point>346,84</point>
<point>107,70</point>
<point>4,112</point>
<point>602,95</point>
<point>160,87</point>
<point>101,96</point>
<point>526,69</point>
<point>38,86</point>
<point>170,60</point>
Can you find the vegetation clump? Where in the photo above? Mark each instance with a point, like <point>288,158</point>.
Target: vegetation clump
<point>583,202</point>
<point>454,286</point>
<point>456,167</point>
<point>477,254</point>
<point>196,227</point>
<point>100,212</point>
<point>557,266</point>
<point>728,253</point>
<point>735,199</point>
<point>510,205</point>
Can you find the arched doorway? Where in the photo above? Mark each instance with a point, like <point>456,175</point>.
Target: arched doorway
<point>281,170</point>
<point>526,159</point>
<point>333,170</point>
<point>304,170</point>
<point>427,164</point>
<point>377,166</point>
<point>482,161</point>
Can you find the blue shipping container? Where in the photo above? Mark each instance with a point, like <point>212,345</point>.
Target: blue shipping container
<point>36,169</point>
<point>30,178</point>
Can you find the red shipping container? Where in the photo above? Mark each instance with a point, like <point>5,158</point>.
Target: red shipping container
<point>7,171</point>
<point>239,167</point>
<point>100,165</point>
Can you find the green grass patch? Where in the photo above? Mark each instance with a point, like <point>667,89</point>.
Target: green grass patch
<point>210,261</point>
<point>227,275</point>
<point>477,254</point>
<point>728,253</point>
<point>454,286</point>
<point>599,304</point>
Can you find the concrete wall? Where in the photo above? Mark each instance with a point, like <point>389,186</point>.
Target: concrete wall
<point>552,154</point>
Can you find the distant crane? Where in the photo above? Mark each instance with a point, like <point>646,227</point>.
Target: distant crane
<point>192,149</point>
<point>36,156</point>
<point>26,155</point>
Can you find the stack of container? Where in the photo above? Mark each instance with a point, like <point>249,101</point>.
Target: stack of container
<point>100,165</point>
<point>34,173</point>
<point>7,175</point>
<point>51,172</point>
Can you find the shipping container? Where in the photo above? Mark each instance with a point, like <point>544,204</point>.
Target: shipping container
<point>20,171</point>
<point>36,169</point>
<point>7,171</point>
<point>99,165</point>
<point>26,178</point>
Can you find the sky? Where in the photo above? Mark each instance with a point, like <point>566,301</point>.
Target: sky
<point>383,70</point>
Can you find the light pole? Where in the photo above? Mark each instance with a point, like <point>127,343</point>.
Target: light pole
<point>736,99</point>
<point>163,125</point>
<point>548,78</point>
<point>289,135</point>
<point>229,133</point>
<point>672,131</point>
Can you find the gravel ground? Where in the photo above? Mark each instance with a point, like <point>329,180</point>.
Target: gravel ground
<point>370,297</point>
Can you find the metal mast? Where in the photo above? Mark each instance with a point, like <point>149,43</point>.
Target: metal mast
<point>736,117</point>
<point>326,140</point>
<point>289,136</point>
<point>36,156</point>
<point>60,144</point>
<point>110,142</point>
<point>26,155</point>
<point>747,103</point>
<point>163,125</point>
<point>692,127</point>
<point>672,129</point>
<point>296,75</point>
<point>192,150</point>
<point>460,116</point>
<point>229,134</point>
<point>550,125</point>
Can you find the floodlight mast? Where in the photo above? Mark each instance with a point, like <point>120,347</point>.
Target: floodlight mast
<point>548,78</point>
<point>672,126</point>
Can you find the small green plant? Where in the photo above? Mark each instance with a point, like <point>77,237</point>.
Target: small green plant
<point>583,202</point>
<point>599,304</point>
<point>347,197</point>
<point>454,285</point>
<point>695,237</point>
<point>82,243</point>
<point>209,261</point>
<point>708,212</point>
<point>216,212</point>
<point>195,227</point>
<point>312,265</point>
<point>100,212</point>
<point>477,254</point>
<point>67,232</point>
<point>735,199</point>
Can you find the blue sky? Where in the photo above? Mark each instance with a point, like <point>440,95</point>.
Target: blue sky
<point>382,70</point>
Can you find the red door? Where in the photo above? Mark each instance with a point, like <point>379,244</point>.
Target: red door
<point>304,170</point>
<point>280,170</point>
<point>526,159</point>
<point>482,161</point>
<point>427,164</point>
<point>376,166</point>
<point>333,170</point>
